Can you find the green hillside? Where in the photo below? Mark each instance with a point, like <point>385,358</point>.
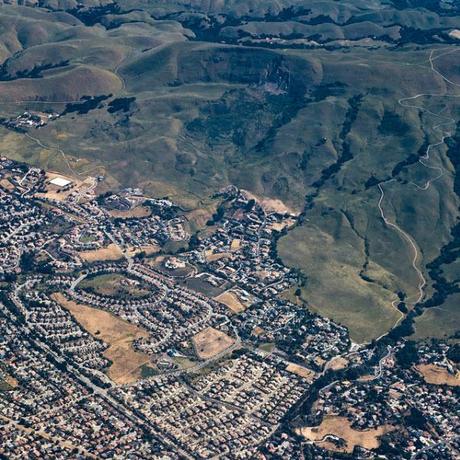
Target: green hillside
<point>303,101</point>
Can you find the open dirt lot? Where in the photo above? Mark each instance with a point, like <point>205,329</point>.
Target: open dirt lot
<point>111,252</point>
<point>438,375</point>
<point>210,342</point>
<point>235,245</point>
<point>279,226</point>
<point>231,300</point>
<point>7,382</point>
<point>6,184</point>
<point>271,204</point>
<point>139,211</point>
<point>148,250</point>
<point>338,363</point>
<point>212,257</point>
<point>340,426</point>
<point>301,371</point>
<point>117,333</point>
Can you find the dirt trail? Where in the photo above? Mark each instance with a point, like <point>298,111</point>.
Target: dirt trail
<point>407,102</point>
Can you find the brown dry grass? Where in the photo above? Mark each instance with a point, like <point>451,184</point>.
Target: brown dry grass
<point>11,381</point>
<point>148,249</point>
<point>257,331</point>
<point>301,371</point>
<point>341,427</point>
<point>274,205</point>
<point>117,333</point>
<point>279,226</point>
<point>338,363</point>
<point>139,211</point>
<point>231,300</point>
<point>197,218</point>
<point>7,185</point>
<point>366,378</point>
<point>211,257</point>
<point>437,375</point>
<point>110,252</point>
<point>271,204</point>
<point>210,342</point>
<point>235,245</point>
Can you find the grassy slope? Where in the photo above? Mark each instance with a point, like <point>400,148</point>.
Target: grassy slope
<point>330,246</point>
<point>272,121</point>
<point>440,322</point>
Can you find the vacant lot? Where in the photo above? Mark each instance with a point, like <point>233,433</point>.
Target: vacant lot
<point>110,252</point>
<point>7,382</point>
<point>235,245</point>
<point>139,211</point>
<point>114,285</point>
<point>6,184</point>
<point>271,204</point>
<point>212,257</point>
<point>340,427</point>
<point>231,300</point>
<point>148,250</point>
<point>438,375</point>
<point>338,363</point>
<point>117,333</point>
<point>301,371</point>
<point>279,226</point>
<point>210,342</point>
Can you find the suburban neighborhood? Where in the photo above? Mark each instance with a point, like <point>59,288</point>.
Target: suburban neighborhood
<point>124,333</point>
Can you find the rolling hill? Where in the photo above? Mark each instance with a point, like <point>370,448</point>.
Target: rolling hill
<point>308,102</point>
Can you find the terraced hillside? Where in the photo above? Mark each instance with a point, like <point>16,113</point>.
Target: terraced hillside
<point>346,111</point>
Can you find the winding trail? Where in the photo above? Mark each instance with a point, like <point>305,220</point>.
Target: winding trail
<point>446,121</point>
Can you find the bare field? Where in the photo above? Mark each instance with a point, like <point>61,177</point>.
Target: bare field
<point>149,250</point>
<point>110,252</point>
<point>11,381</point>
<point>7,185</point>
<point>212,257</point>
<point>279,226</point>
<point>230,299</point>
<point>139,211</point>
<point>8,383</point>
<point>301,371</point>
<point>340,427</point>
<point>366,378</point>
<point>117,333</point>
<point>338,363</point>
<point>235,245</point>
<point>210,342</point>
<point>438,375</point>
<point>271,204</point>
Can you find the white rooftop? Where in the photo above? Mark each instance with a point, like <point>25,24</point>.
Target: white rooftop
<point>60,181</point>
